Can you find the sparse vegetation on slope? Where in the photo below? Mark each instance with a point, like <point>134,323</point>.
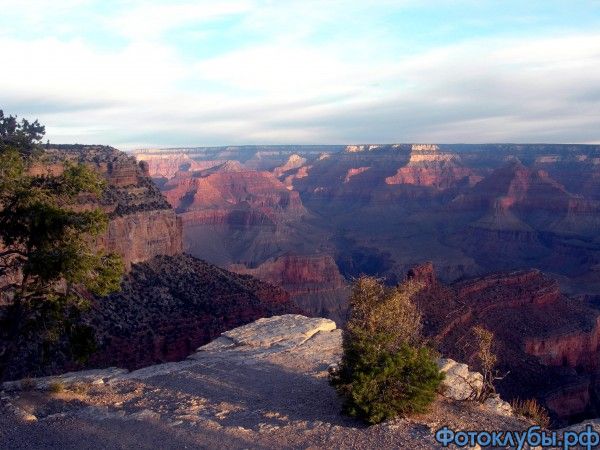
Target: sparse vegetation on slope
<point>170,305</point>
<point>487,359</point>
<point>532,410</point>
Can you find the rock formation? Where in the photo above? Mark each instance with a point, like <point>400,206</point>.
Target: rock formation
<point>294,162</point>
<point>381,209</point>
<point>273,240</point>
<point>313,281</point>
<point>169,306</point>
<point>169,302</point>
<point>546,342</point>
<point>142,224</point>
<point>427,166</point>
<point>229,186</point>
<point>161,167</point>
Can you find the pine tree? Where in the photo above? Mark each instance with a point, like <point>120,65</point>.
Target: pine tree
<point>47,251</point>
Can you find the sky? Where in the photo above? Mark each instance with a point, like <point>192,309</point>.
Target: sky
<point>168,73</point>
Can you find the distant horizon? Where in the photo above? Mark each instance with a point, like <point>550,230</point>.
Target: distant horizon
<point>158,73</point>
<point>191,147</point>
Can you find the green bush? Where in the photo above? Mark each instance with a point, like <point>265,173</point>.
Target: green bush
<point>398,384</point>
<point>385,370</point>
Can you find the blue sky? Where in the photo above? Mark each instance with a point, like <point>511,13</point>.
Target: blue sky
<point>179,73</point>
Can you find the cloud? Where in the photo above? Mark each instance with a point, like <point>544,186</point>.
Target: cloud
<point>295,74</point>
<point>150,21</point>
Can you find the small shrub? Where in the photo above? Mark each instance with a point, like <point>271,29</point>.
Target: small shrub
<point>532,410</point>
<point>57,386</point>
<point>385,370</point>
<point>487,359</point>
<point>400,383</point>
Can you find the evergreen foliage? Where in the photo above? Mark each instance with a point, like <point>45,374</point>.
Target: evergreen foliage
<point>47,249</point>
<point>386,369</point>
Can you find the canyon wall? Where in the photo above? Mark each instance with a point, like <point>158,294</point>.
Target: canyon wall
<point>546,342</point>
<point>313,282</point>
<point>381,209</point>
<point>169,303</point>
<point>141,222</point>
<point>251,222</point>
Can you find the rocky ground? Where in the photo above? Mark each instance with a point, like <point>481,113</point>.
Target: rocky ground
<point>263,385</point>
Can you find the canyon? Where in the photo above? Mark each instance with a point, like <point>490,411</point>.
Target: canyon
<point>251,222</point>
<point>511,240</point>
<point>512,231</point>
<point>381,209</point>
<point>547,342</point>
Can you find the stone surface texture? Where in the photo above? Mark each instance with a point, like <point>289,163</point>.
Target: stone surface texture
<point>257,387</point>
<point>459,383</point>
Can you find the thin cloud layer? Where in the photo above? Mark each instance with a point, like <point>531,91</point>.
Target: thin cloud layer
<point>205,73</point>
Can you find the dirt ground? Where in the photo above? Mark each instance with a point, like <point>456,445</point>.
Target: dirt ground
<point>223,399</point>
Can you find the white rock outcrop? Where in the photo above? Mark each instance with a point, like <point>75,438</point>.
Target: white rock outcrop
<point>278,332</point>
<point>459,383</point>
<point>498,406</point>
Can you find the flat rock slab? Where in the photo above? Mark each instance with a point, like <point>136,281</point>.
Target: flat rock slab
<point>289,330</point>
<point>93,376</point>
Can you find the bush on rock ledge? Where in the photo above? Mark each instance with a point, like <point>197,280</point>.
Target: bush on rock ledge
<point>386,370</point>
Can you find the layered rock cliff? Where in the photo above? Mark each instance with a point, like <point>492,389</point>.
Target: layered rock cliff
<point>249,221</point>
<point>380,209</point>
<point>313,281</point>
<point>298,274</point>
<point>547,343</point>
<point>169,303</point>
<point>142,224</point>
<point>161,167</point>
<point>428,166</point>
<point>230,187</point>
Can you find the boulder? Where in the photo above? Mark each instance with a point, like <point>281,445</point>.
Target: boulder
<point>498,406</point>
<point>459,383</point>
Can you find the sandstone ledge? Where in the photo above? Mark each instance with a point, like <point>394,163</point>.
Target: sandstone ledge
<point>286,331</point>
<point>93,376</point>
